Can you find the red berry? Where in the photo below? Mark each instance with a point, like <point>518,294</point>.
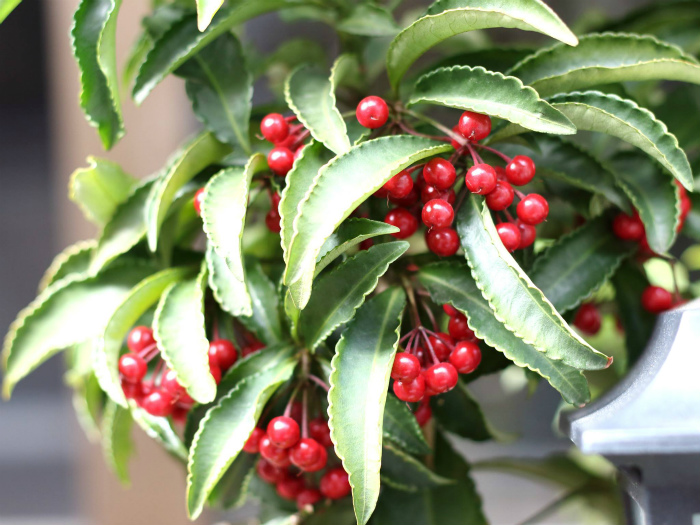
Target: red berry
<point>280,160</point>
<point>456,145</point>
<point>269,473</point>
<point>372,112</point>
<point>400,185</point>
<point>429,193</point>
<point>449,310</point>
<point>275,455</point>
<point>588,319</point>
<point>366,244</point>
<point>283,432</point>
<point>252,348</point>
<point>459,328</point>
<point>423,413</point>
<point>533,209</point>
<point>222,353</point>
<point>403,220</point>
<point>299,151</point>
<point>437,213</point>
<point>320,431</point>
<point>308,497</point>
<point>466,357</point>
<point>274,127</point>
<point>272,221</point>
<point>510,235</point>
<point>406,367</point>
<point>140,338</point>
<point>252,446</point>
<point>132,367</point>
<point>335,484</point>
<point>441,377</point>
<point>215,372</point>
<point>527,234</point>
<point>500,173</point>
<point>439,173</point>
<point>628,227</point>
<point>158,403</point>
<point>308,454</point>
<point>501,197</point>
<point>481,179</point>
<point>410,391</point>
<point>520,170</point>
<point>179,414</point>
<point>290,488</point>
<point>441,344</point>
<point>686,206</point>
<point>443,242</point>
<point>170,384</point>
<point>132,390</point>
<point>474,126</point>
<point>198,200</point>
<point>656,300</point>
<point>407,201</point>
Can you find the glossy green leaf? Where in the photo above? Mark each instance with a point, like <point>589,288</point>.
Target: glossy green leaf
<point>6,7</point>
<point>359,382</point>
<point>199,153</point>
<point>179,329</point>
<point>338,294</point>
<point>206,9</point>
<point>94,47</point>
<point>515,300</point>
<point>160,429</point>
<point>476,89</point>
<point>656,17</point>
<point>654,195</point>
<point>403,471</point>
<point>609,114</point>
<point>446,18</point>
<point>605,59</point>
<point>125,229</point>
<point>87,403</point>
<point>225,429</point>
<point>183,40</point>
<point>340,186</point>
<point>310,93</point>
<point>401,428</point>
<point>232,489</point>
<point>264,321</point>
<point>231,293</point>
<point>369,20</point>
<point>73,260</point>
<point>99,189</point>
<point>579,263</point>
<point>117,445</point>
<point>109,344</point>
<point>220,87</point>
<point>68,312</point>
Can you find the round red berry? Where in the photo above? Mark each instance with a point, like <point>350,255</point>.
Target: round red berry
<point>283,432</point>
<point>179,413</point>
<point>404,220</point>
<point>275,455</point>
<point>274,127</point>
<point>588,319</point>
<point>320,431</point>
<point>132,390</point>
<point>406,367</point>
<point>656,300</point>
<point>407,201</point>
<point>272,221</point>
<point>290,488</point>
<point>437,213</point>
<point>449,310</point>
<point>269,473</point>
<point>158,403</point>
<point>533,209</point>
<point>439,173</point>
<point>215,372</point>
<point>410,391</point>
<point>628,227</point>
<point>441,377</point>
<point>510,235</point>
<point>140,338</point>
<point>252,445</point>
<point>459,327</point>
<point>466,357</point>
<point>132,367</point>
<point>280,160</point>
<point>481,179</point>
<point>335,484</point>
<point>501,197</point>
<point>423,413</point>
<point>222,353</point>
<point>441,344</point>
<point>429,193</point>
<point>400,185</point>
<point>372,112</point>
<point>527,234</point>
<point>500,173</point>
<point>252,348</point>
<point>170,384</point>
<point>309,455</point>
<point>520,170</point>
<point>308,497</point>
<point>474,126</point>
<point>443,242</point>
<point>198,200</point>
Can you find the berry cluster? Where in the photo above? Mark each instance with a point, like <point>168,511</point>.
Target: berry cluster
<point>288,141</point>
<point>161,394</point>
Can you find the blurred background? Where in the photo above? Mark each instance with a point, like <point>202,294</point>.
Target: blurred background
<point>49,473</point>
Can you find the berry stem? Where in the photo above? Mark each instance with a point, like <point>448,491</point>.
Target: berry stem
<point>429,312</point>
<point>509,216</point>
<point>320,382</point>
<point>407,129</point>
<point>475,156</point>
<point>495,152</point>
<point>459,139</point>
<point>519,193</point>
<point>305,414</point>
<point>431,350</point>
<point>290,403</point>
<point>301,138</point>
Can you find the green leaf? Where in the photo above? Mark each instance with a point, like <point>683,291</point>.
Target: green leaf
<point>446,18</point>
<point>451,283</point>
<point>612,115</point>
<point>404,472</point>
<point>206,9</point>
<point>476,89</point>
<point>225,429</point>
<point>94,47</point>
<point>340,186</point>
<point>117,446</point>
<point>231,294</point>
<point>179,329</point>
<point>654,195</point>
<point>220,86</point>
<point>199,153</point>
<point>265,320</point>
<point>137,302</point>
<point>68,312</point>
<point>369,20</point>
<point>6,7</point>
<point>87,404</point>
<point>359,382</point>
<point>232,489</point>
<point>516,301</point>
<point>401,428</point>
<point>310,93</point>
<point>183,40</point>
<point>579,263</point>
<point>224,210</point>
<point>99,189</point>
<point>339,293</point>
<point>160,429</point>
<point>125,229</point>
<point>692,222</point>
<point>73,260</point>
<point>605,59</point>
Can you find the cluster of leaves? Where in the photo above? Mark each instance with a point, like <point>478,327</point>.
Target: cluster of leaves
<point>304,293</point>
